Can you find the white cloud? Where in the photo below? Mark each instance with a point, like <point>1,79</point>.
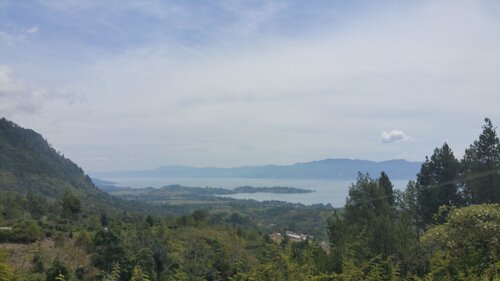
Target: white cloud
<point>394,136</point>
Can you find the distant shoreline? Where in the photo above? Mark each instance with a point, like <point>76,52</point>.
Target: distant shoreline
<point>110,186</point>
<point>274,189</point>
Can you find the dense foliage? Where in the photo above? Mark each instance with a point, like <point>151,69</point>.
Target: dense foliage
<point>444,226</point>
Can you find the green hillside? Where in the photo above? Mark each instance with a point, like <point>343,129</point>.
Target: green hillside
<point>29,163</point>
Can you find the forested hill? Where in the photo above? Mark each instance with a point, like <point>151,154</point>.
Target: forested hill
<point>346,169</point>
<point>28,163</point>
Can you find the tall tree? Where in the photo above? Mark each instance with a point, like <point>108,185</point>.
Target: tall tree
<point>385,183</point>
<point>481,165</point>
<point>409,204</point>
<point>438,183</point>
<point>368,226</point>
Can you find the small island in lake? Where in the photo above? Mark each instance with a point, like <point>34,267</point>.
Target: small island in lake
<point>178,193</point>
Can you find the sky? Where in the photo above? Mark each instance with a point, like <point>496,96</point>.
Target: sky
<point>135,85</point>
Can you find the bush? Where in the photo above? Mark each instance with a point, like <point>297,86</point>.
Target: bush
<point>25,231</point>
<point>56,269</point>
<point>467,243</point>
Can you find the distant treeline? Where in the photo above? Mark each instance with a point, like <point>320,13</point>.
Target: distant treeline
<point>187,190</point>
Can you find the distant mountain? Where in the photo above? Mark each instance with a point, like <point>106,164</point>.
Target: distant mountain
<point>344,169</point>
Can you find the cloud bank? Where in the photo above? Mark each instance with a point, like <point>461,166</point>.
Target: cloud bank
<point>199,84</point>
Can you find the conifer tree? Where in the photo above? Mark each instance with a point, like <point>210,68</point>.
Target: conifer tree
<point>481,165</point>
<point>385,183</point>
<point>438,183</point>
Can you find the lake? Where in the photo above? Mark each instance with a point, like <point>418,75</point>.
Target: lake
<point>332,192</point>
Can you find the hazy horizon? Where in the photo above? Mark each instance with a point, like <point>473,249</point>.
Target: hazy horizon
<point>238,166</point>
<point>127,85</point>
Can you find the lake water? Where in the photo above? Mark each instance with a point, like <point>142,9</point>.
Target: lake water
<point>332,192</point>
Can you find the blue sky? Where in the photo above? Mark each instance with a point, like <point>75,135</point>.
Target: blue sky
<point>139,84</point>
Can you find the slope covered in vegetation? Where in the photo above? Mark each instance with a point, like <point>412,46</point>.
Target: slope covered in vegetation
<point>29,164</point>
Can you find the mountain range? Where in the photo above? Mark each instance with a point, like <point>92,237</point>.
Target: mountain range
<point>342,169</point>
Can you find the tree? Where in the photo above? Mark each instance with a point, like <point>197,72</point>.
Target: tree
<point>144,259</point>
<point>385,183</point>
<point>115,273</point>
<point>467,243</point>
<point>366,200</point>
<point>71,205</point>
<point>481,165</point>
<point>83,240</point>
<point>438,183</point>
<point>36,205</point>
<point>104,219</point>
<point>107,248</point>
<point>149,220</point>
<point>409,204</point>
<point>369,226</point>
<point>199,257</point>
<point>200,215</point>
<point>161,260</point>
<point>26,231</point>
<point>57,269</point>
<point>138,275</point>
<point>338,234</point>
